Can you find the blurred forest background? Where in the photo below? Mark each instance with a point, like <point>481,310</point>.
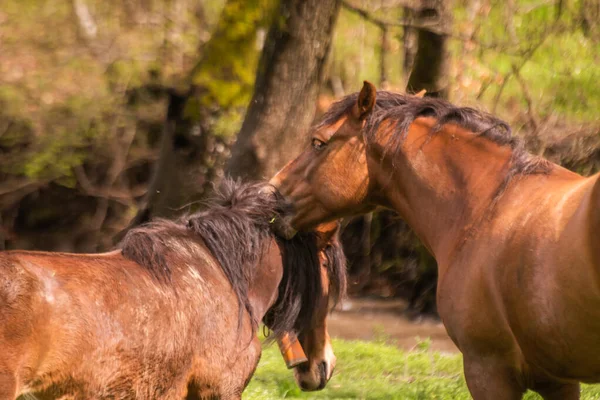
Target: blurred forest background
<point>113,112</point>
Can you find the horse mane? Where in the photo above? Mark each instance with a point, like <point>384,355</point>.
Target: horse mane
<point>336,268</point>
<point>236,228</point>
<point>402,110</point>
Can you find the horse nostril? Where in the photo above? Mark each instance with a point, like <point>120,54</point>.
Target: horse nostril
<point>304,386</point>
<point>323,374</point>
<point>323,368</point>
<point>303,368</point>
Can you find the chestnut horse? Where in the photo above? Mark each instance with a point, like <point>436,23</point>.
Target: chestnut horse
<point>173,313</point>
<point>514,236</point>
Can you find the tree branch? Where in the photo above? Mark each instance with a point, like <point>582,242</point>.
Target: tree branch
<point>383,73</point>
<point>517,68</point>
<point>13,191</point>
<point>124,197</point>
<point>530,111</point>
<point>84,17</point>
<point>383,24</point>
<point>16,185</point>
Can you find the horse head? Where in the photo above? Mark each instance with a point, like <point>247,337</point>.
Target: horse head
<point>314,279</point>
<point>316,372</point>
<point>331,178</point>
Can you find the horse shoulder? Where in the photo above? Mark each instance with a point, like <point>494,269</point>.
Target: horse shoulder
<point>591,223</point>
<point>577,218</point>
<point>551,282</point>
<point>594,204</point>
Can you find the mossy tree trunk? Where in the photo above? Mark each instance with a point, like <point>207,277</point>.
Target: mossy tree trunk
<point>289,74</point>
<point>203,113</point>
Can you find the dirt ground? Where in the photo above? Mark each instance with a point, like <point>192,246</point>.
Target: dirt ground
<point>372,319</point>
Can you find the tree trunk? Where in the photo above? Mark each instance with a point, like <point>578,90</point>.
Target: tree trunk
<point>409,39</point>
<point>289,74</point>
<point>193,150</point>
<point>430,68</point>
<point>590,18</point>
<point>177,169</point>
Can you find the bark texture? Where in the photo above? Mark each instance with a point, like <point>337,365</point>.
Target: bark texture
<point>289,74</point>
<point>430,69</point>
<point>590,18</point>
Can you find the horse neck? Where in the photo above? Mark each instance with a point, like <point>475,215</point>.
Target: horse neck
<point>264,286</point>
<point>441,184</point>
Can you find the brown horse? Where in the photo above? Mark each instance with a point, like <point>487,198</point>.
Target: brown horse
<point>515,237</point>
<point>173,313</point>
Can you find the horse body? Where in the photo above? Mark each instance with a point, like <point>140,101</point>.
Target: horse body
<point>521,299</point>
<point>494,261</point>
<point>514,236</point>
<point>125,335</point>
<point>167,316</point>
<point>546,274</point>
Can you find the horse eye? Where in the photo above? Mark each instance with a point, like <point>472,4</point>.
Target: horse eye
<point>318,144</point>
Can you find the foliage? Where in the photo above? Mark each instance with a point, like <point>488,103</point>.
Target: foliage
<point>227,67</point>
<point>59,82</point>
<point>560,75</point>
<point>65,106</point>
<point>73,87</point>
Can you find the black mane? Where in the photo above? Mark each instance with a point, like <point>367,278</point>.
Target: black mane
<point>237,228</point>
<point>402,110</point>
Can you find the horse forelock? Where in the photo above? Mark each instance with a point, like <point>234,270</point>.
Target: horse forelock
<point>299,299</point>
<point>336,270</point>
<point>401,110</point>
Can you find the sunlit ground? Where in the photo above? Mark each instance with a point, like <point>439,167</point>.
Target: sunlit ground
<point>375,370</point>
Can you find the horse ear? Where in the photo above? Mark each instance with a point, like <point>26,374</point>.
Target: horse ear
<point>366,100</point>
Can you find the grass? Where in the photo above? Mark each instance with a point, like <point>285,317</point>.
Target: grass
<point>375,370</point>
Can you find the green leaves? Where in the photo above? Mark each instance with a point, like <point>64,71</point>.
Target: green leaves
<point>227,67</point>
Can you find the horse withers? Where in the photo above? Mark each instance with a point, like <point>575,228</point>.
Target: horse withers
<point>173,313</point>
<point>514,236</point>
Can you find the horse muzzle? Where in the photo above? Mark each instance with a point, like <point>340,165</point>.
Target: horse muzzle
<point>315,378</point>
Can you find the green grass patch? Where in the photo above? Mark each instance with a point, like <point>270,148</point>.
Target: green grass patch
<point>375,370</point>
